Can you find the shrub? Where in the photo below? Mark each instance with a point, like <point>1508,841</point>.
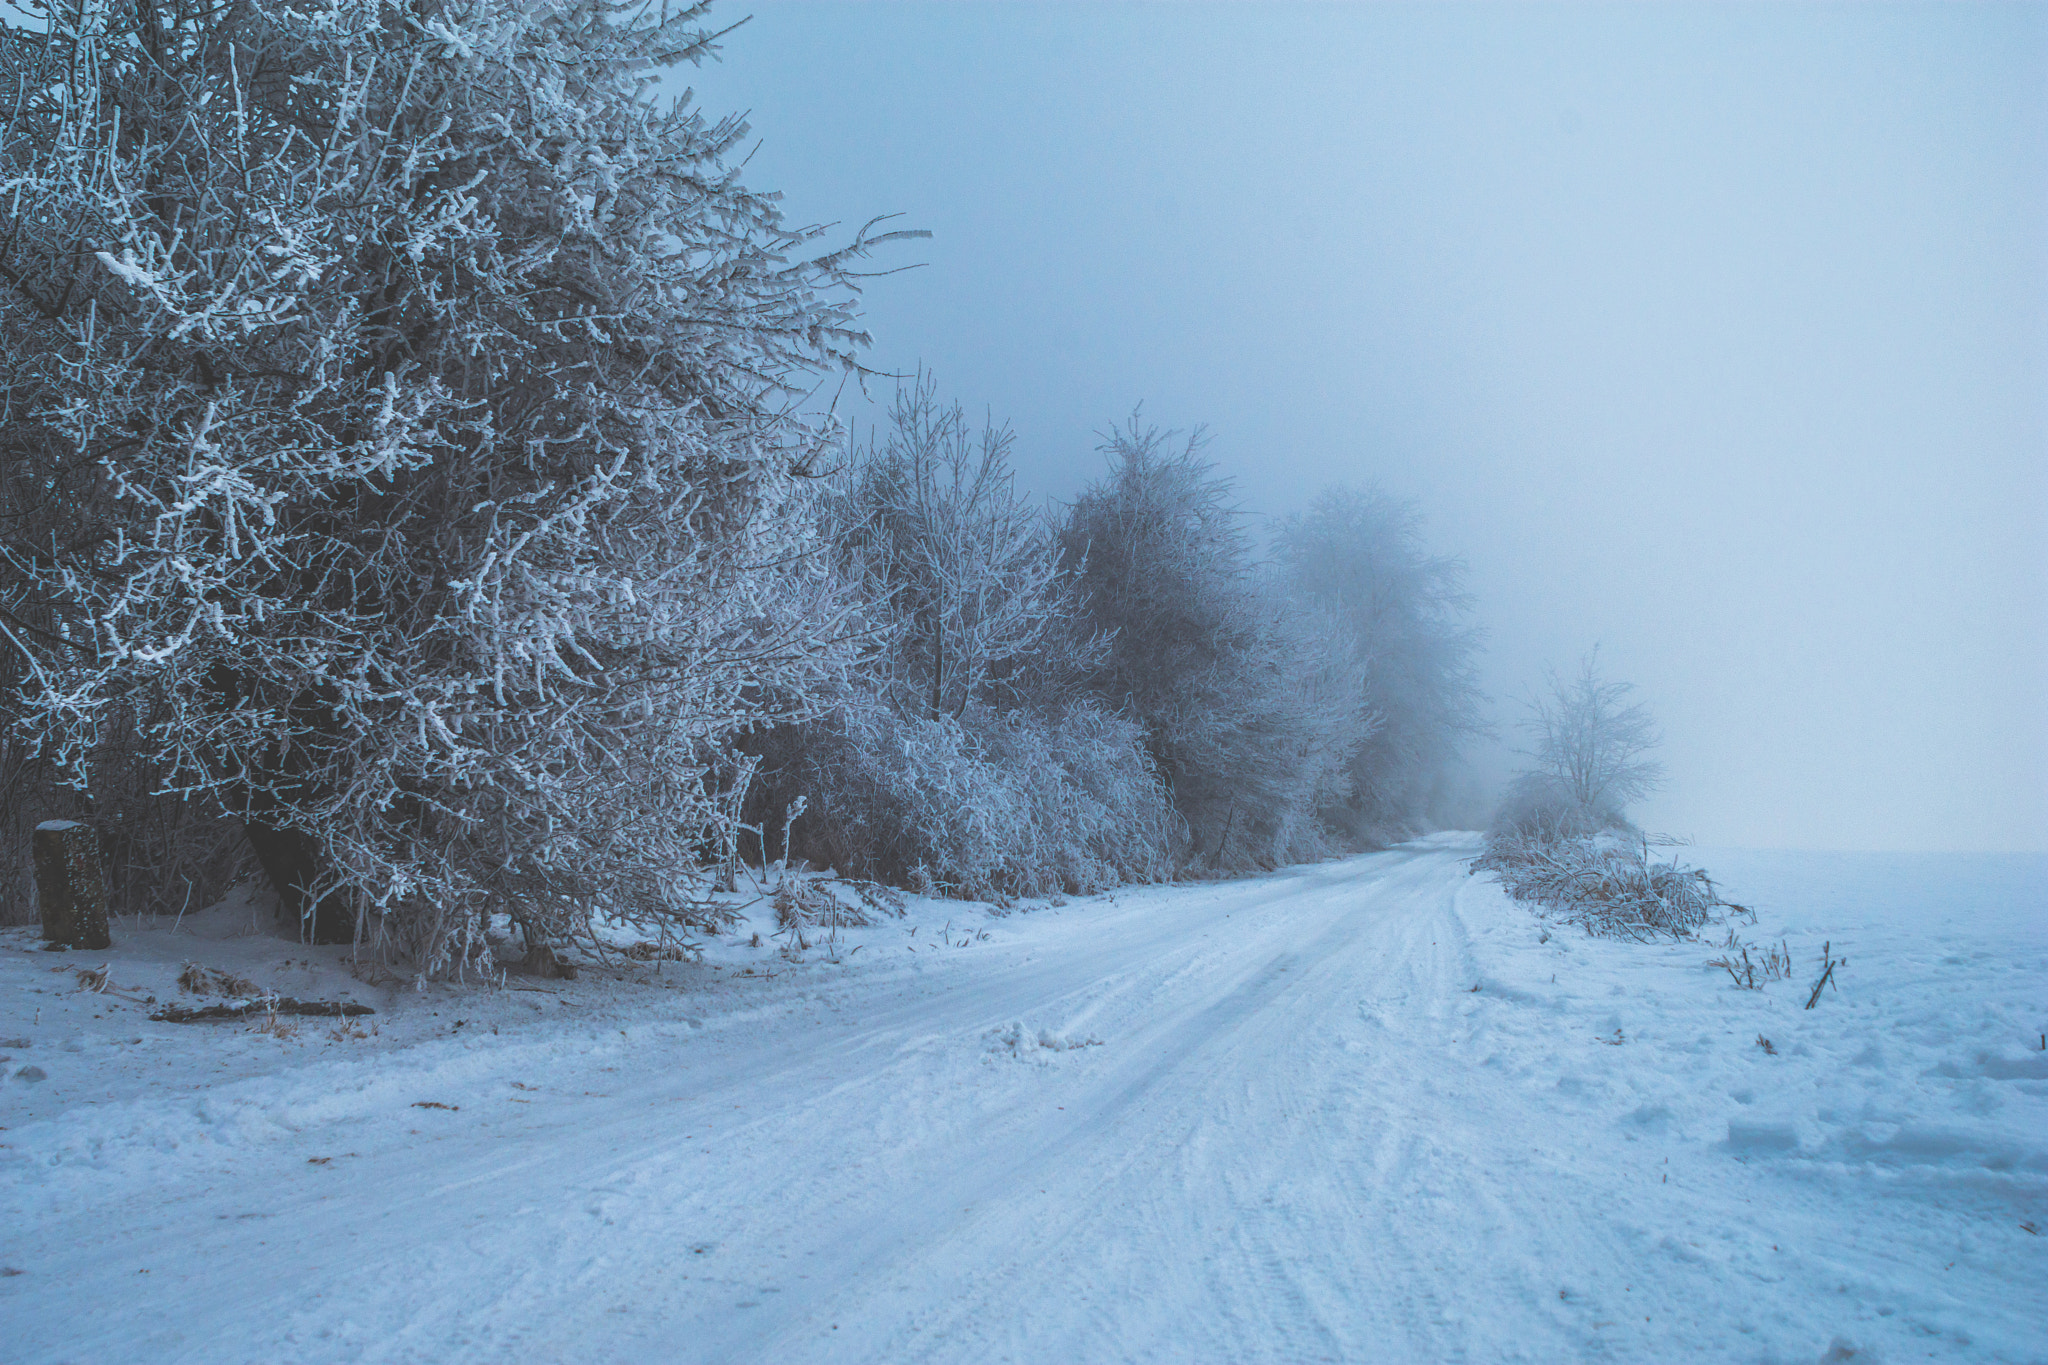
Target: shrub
<point>1533,808</point>
<point>986,804</point>
<point>1607,883</point>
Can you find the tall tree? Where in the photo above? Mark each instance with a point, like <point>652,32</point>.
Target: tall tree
<point>1240,706</point>
<point>978,603</point>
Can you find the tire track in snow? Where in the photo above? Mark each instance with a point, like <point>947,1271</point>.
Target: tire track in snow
<point>1217,1185</point>
<point>1206,1087</point>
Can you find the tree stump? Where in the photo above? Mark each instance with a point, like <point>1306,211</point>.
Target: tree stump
<point>71,888</point>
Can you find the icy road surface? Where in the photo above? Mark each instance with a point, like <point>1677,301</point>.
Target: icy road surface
<point>1358,1112</point>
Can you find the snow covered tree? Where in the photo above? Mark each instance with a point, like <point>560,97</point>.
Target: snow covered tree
<point>929,521</point>
<point>1246,711</point>
<point>959,757</point>
<point>1589,744</point>
<point>1358,555</point>
<point>398,427</point>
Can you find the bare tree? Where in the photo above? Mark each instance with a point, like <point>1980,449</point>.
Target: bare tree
<point>965,573</point>
<point>1590,741</point>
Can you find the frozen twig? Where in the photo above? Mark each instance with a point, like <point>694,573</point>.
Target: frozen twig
<point>1827,975</point>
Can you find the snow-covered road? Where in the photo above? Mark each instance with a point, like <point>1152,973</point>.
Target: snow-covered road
<point>1333,1114</point>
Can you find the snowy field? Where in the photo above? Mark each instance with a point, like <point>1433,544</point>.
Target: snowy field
<point>1360,1112</point>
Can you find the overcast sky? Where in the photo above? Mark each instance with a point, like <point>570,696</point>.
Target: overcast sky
<point>1717,336</point>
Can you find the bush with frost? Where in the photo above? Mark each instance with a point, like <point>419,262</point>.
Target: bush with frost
<point>988,804</point>
<point>1533,808</point>
<point>1608,883</point>
<point>398,443</point>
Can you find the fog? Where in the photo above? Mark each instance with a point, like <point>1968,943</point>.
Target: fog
<point>1714,336</point>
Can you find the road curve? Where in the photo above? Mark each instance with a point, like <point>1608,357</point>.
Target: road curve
<point>1211,1122</point>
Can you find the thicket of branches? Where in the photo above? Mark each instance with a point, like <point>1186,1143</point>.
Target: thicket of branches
<point>398,444</point>
<point>961,756</point>
<point>405,487</point>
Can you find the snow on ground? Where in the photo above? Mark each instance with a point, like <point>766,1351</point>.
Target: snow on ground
<point>1261,1120</point>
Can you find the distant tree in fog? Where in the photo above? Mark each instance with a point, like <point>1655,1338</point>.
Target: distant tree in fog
<point>1358,556</point>
<point>1589,741</point>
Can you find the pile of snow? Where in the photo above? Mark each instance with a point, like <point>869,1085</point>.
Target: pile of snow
<point>1019,1042</point>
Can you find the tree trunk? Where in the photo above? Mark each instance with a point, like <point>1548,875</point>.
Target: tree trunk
<point>291,859</point>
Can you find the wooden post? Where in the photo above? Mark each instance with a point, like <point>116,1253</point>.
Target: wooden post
<point>70,885</point>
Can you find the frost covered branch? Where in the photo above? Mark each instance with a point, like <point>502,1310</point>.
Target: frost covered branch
<point>399,456</point>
